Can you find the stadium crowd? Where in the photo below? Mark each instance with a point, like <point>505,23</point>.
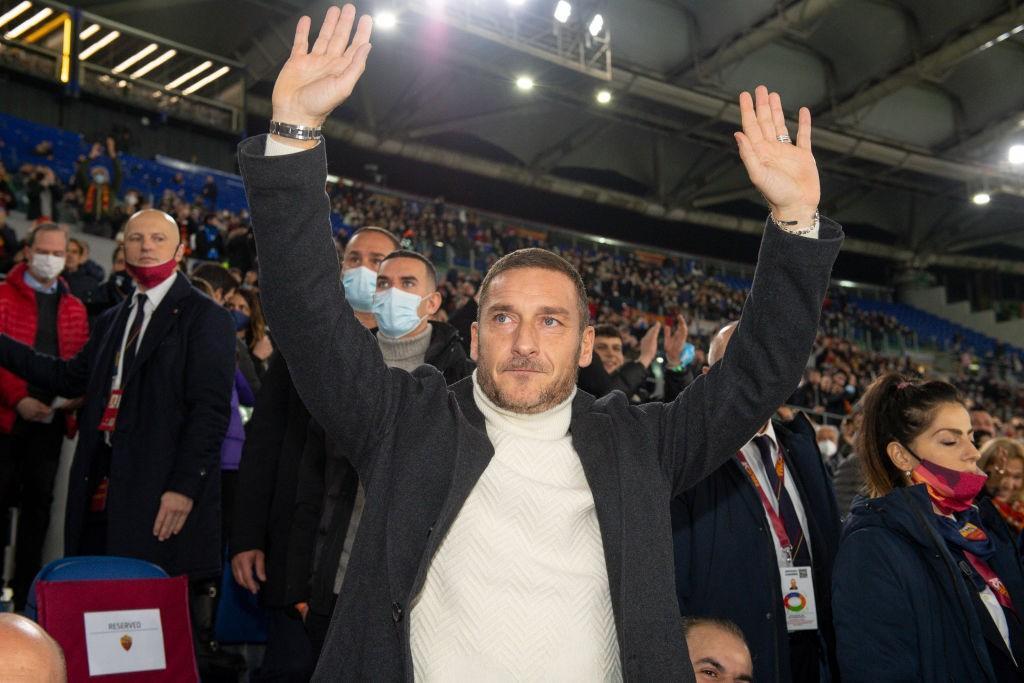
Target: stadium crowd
<point>288,424</point>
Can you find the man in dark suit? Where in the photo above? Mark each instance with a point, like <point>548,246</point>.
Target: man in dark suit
<point>730,549</point>
<point>511,479</point>
<point>157,373</point>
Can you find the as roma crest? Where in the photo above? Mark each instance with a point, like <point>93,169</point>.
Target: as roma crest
<point>126,642</point>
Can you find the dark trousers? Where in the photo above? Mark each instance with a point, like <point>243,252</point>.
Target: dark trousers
<point>805,657</point>
<point>287,657</point>
<point>317,622</point>
<point>28,467</point>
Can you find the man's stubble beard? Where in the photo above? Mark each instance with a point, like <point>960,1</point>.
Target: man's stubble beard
<point>550,396</point>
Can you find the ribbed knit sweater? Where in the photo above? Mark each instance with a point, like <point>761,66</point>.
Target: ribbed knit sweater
<point>518,589</point>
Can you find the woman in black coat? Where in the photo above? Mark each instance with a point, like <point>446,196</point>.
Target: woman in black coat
<point>927,585</point>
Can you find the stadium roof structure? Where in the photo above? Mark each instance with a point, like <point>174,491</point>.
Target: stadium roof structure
<point>916,102</point>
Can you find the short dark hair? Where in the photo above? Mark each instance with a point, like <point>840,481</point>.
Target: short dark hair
<point>44,227</point>
<point>895,409</point>
<point>608,331</point>
<point>690,623</point>
<point>545,260</point>
<point>406,253</point>
<point>381,231</point>
<point>217,277</point>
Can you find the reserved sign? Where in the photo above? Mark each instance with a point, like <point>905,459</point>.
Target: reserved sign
<point>124,641</point>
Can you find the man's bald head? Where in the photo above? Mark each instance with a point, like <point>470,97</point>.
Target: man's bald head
<point>151,237</point>
<point>28,653</point>
<point>716,350</point>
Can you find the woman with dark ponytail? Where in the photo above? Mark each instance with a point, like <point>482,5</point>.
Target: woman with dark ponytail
<point>926,586</point>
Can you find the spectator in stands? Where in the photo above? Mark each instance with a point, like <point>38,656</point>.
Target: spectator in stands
<point>763,513</point>
<point>828,444</point>
<point>82,274</point>
<point>145,480</point>
<point>718,651</point>
<point>240,250</point>
<point>44,192</point>
<point>330,498</point>
<point>29,653</point>
<point>449,513</point>
<point>99,189</point>
<point>1002,459</point>
<point>9,243</point>
<point>38,310</point>
<point>209,194</point>
<point>118,287</point>
<point>609,371</point>
<point>6,188</point>
<point>950,583</point>
<point>983,426</point>
<point>251,327</point>
<point>209,239</point>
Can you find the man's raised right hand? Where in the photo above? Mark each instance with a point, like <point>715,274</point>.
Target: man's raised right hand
<point>313,82</point>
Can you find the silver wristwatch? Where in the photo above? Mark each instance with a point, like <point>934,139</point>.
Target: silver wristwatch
<point>290,130</point>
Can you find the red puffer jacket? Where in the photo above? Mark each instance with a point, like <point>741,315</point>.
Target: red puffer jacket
<point>18,321</point>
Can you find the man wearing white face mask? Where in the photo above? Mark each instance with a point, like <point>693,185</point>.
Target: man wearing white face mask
<point>38,309</point>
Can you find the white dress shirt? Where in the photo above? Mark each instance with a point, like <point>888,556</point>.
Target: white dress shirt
<point>153,298</point>
<point>753,457</point>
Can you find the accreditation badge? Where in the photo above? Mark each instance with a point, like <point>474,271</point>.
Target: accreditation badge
<point>798,599</point>
<point>109,418</point>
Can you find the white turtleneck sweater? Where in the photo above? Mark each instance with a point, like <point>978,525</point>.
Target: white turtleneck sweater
<point>518,589</point>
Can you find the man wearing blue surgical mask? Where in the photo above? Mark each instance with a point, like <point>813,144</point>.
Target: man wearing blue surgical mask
<point>365,251</point>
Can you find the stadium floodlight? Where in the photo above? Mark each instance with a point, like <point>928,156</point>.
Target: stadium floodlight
<point>99,45</point>
<point>28,23</point>
<point>386,20</point>
<point>205,81</point>
<point>596,25</point>
<point>563,10</point>
<point>981,198</point>
<point>1016,154</point>
<point>16,11</point>
<point>146,68</point>
<point>603,96</point>
<point>524,83</point>
<point>88,33</point>
<point>188,75</point>
<point>136,58</point>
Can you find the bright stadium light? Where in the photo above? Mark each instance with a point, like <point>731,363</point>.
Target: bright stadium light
<point>146,68</point>
<point>188,75</point>
<point>136,58</point>
<point>28,23</point>
<point>563,10</point>
<point>205,81</point>
<point>1016,155</point>
<point>981,198</point>
<point>99,45</point>
<point>88,33</point>
<point>603,97</point>
<point>19,9</point>
<point>386,20</point>
<point>516,3</point>
<point>524,83</point>
<point>596,25</point>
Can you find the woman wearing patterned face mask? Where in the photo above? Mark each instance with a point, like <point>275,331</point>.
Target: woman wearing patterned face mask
<point>927,585</point>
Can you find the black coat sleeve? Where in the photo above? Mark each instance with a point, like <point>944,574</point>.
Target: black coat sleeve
<point>309,498</point>
<point>59,377</point>
<point>595,380</point>
<point>257,471</point>
<point>719,412</point>
<point>327,349</point>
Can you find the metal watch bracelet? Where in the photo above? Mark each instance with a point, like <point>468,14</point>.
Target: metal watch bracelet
<point>295,132</point>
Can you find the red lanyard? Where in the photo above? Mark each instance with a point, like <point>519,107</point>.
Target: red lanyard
<point>992,579</point>
<point>769,509</point>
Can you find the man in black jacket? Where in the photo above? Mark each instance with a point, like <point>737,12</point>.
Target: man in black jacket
<point>730,549</point>
<point>610,371</point>
<point>436,462</point>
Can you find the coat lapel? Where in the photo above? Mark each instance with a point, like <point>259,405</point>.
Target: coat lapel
<point>163,318</point>
<point>593,439</point>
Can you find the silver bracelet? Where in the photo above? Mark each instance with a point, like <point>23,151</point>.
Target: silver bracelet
<point>293,131</point>
<point>787,226</point>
